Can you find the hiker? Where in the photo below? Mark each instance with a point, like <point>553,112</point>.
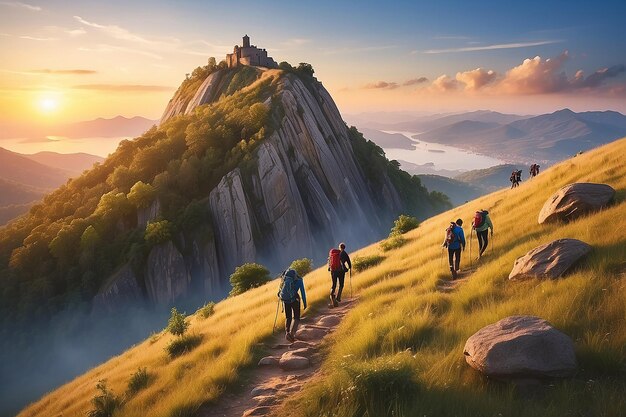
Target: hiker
<point>518,176</point>
<point>337,260</point>
<point>288,293</point>
<point>531,171</point>
<point>513,179</point>
<point>454,241</point>
<point>481,224</point>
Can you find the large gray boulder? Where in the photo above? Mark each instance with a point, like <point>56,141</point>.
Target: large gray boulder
<point>525,347</point>
<point>550,260</point>
<point>575,200</point>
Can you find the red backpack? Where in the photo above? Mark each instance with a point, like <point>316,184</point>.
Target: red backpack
<point>450,236</point>
<point>334,260</point>
<point>479,218</point>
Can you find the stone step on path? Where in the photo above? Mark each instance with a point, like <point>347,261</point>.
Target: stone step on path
<point>285,371</point>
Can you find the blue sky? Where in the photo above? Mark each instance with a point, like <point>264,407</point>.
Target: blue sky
<point>364,52</point>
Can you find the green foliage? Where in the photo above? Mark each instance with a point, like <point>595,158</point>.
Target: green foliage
<point>138,381</point>
<point>361,263</point>
<point>141,194</point>
<point>247,276</point>
<point>206,310</point>
<point>403,224</point>
<point>377,169</point>
<point>302,266</point>
<point>394,241</point>
<point>182,345</point>
<point>158,232</point>
<point>305,68</point>
<point>105,403</point>
<point>89,239</point>
<point>177,325</point>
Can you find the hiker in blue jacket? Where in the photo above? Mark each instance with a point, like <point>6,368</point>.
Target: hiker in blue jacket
<point>288,292</point>
<point>454,241</point>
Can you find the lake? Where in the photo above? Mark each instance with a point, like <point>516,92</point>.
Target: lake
<point>442,156</point>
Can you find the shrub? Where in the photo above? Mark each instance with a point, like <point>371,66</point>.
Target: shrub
<point>138,381</point>
<point>106,403</point>
<point>158,232</point>
<point>392,242</point>
<point>182,345</point>
<point>361,263</point>
<point>302,266</point>
<point>177,325</point>
<point>247,276</point>
<point>206,310</point>
<point>403,224</point>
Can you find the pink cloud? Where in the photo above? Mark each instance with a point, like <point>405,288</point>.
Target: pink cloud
<point>445,83</point>
<point>476,79</point>
<point>385,85</point>
<point>536,76</point>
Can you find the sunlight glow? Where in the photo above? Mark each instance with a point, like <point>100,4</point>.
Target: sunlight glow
<point>48,104</point>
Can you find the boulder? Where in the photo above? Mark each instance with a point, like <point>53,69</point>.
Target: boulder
<point>291,362</point>
<point>305,352</point>
<point>575,200</point>
<point>299,344</point>
<point>521,347</point>
<point>550,260</point>
<point>268,361</point>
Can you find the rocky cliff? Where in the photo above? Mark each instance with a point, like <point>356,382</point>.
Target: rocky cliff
<point>303,193</point>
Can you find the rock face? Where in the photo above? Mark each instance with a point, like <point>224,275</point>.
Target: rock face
<point>122,290</point>
<point>575,200</point>
<point>550,260</point>
<point>521,347</point>
<point>302,194</point>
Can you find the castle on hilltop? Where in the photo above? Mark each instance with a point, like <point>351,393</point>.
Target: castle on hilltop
<point>249,55</point>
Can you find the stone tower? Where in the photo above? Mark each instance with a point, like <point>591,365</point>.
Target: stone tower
<point>246,41</point>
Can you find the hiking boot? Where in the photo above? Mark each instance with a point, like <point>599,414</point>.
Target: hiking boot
<point>290,337</point>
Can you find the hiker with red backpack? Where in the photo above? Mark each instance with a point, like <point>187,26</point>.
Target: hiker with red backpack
<point>290,284</point>
<point>337,260</point>
<point>481,224</point>
<point>454,241</point>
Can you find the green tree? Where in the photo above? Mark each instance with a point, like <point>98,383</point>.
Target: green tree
<point>141,194</point>
<point>177,325</point>
<point>403,224</point>
<point>106,403</point>
<point>305,68</point>
<point>247,276</point>
<point>158,232</point>
<point>302,266</point>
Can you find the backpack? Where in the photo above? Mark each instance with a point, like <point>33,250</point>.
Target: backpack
<point>334,260</point>
<point>479,218</point>
<point>450,235</point>
<point>288,291</point>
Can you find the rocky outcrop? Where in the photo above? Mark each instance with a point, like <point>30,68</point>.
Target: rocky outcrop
<point>122,290</point>
<point>575,200</point>
<point>166,275</point>
<point>521,347</point>
<point>148,214</point>
<point>551,260</point>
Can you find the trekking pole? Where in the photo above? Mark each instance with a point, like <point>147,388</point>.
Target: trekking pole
<point>276,317</point>
<point>470,262</point>
<point>351,283</point>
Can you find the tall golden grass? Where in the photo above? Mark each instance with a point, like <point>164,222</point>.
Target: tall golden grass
<point>399,352</point>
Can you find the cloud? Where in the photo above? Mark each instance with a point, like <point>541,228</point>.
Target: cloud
<point>114,48</point>
<point>415,81</point>
<point>63,71</point>
<point>536,76</point>
<point>445,83</point>
<point>476,79</point>
<point>123,88</point>
<point>20,5</point>
<point>384,85</point>
<point>76,32</point>
<point>27,37</point>
<point>490,47</point>
<point>115,31</point>
<point>598,77</point>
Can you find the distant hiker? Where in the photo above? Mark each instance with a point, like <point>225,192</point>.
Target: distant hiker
<point>288,293</point>
<point>534,170</point>
<point>515,178</point>
<point>337,260</point>
<point>482,224</point>
<point>454,241</point>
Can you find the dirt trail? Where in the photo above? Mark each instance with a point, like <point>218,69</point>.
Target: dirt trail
<point>285,371</point>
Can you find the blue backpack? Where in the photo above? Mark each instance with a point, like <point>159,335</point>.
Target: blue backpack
<point>288,290</point>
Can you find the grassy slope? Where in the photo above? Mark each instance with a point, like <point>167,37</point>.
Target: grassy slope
<point>401,309</point>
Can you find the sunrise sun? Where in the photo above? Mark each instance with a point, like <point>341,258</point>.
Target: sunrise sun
<point>48,104</point>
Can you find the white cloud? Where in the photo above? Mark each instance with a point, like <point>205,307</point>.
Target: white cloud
<point>476,79</point>
<point>490,47</point>
<point>21,5</point>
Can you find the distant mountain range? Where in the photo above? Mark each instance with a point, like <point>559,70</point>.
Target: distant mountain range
<point>546,139</point>
<point>25,179</point>
<point>100,127</point>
